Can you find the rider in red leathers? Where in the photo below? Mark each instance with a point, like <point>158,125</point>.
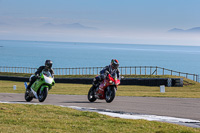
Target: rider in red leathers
<point>111,69</point>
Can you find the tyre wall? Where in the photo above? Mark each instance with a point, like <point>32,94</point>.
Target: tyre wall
<point>125,81</point>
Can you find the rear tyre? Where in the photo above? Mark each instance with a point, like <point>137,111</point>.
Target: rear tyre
<point>110,94</point>
<point>91,96</point>
<point>27,97</point>
<point>42,94</point>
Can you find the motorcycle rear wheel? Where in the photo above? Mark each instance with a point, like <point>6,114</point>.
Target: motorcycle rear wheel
<point>110,95</point>
<point>42,94</point>
<point>27,97</point>
<point>91,96</point>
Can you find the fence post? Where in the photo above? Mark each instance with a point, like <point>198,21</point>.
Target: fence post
<point>135,70</point>
<point>145,70</point>
<point>150,70</point>
<point>163,71</point>
<point>156,70</point>
<point>193,77</point>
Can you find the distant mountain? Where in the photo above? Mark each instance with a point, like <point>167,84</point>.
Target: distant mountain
<point>192,30</point>
<point>176,30</point>
<point>68,26</point>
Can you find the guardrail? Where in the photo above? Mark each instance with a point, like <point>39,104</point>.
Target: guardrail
<point>127,70</point>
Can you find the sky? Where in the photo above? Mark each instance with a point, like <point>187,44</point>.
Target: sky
<point>105,21</point>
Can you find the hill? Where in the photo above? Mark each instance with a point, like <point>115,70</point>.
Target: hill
<point>191,30</point>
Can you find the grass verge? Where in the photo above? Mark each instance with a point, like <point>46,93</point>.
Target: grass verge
<point>20,118</point>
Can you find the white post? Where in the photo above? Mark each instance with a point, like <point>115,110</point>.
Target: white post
<point>162,88</point>
<point>14,87</point>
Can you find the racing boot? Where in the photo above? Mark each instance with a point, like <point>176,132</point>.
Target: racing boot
<point>95,84</point>
<point>32,80</point>
<point>28,87</point>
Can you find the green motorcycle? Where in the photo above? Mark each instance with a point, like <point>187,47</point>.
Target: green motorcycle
<point>40,88</point>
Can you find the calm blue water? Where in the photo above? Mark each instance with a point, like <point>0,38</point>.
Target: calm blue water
<point>68,54</point>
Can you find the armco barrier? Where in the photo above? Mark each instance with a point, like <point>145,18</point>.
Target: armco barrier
<point>125,81</point>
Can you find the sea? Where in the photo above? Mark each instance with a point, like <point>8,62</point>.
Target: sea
<point>19,53</point>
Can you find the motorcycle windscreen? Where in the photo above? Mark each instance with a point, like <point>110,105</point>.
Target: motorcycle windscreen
<point>47,77</point>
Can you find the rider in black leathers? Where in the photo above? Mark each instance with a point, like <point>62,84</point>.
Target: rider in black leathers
<point>48,66</point>
<point>111,69</point>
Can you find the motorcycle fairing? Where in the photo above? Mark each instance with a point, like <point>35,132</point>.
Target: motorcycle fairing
<point>34,93</point>
<point>44,86</point>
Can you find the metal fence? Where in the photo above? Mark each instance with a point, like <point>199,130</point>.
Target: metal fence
<point>127,70</point>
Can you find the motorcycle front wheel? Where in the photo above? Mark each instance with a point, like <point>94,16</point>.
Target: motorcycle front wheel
<point>27,97</point>
<point>110,94</point>
<point>42,94</point>
<point>91,96</point>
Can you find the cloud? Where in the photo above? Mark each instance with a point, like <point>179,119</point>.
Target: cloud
<point>49,29</point>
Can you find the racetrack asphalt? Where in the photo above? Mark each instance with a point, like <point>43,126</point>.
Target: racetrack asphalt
<point>188,108</point>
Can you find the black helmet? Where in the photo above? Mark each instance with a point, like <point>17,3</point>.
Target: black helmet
<point>48,64</point>
<point>114,63</point>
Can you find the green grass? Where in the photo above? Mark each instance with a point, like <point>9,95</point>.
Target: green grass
<point>190,89</point>
<point>48,118</point>
<point>20,118</point>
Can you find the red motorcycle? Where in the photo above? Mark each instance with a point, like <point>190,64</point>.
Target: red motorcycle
<point>106,90</point>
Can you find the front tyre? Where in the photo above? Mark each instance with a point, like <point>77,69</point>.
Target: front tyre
<point>27,97</point>
<point>91,96</point>
<point>110,94</point>
<point>42,94</point>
